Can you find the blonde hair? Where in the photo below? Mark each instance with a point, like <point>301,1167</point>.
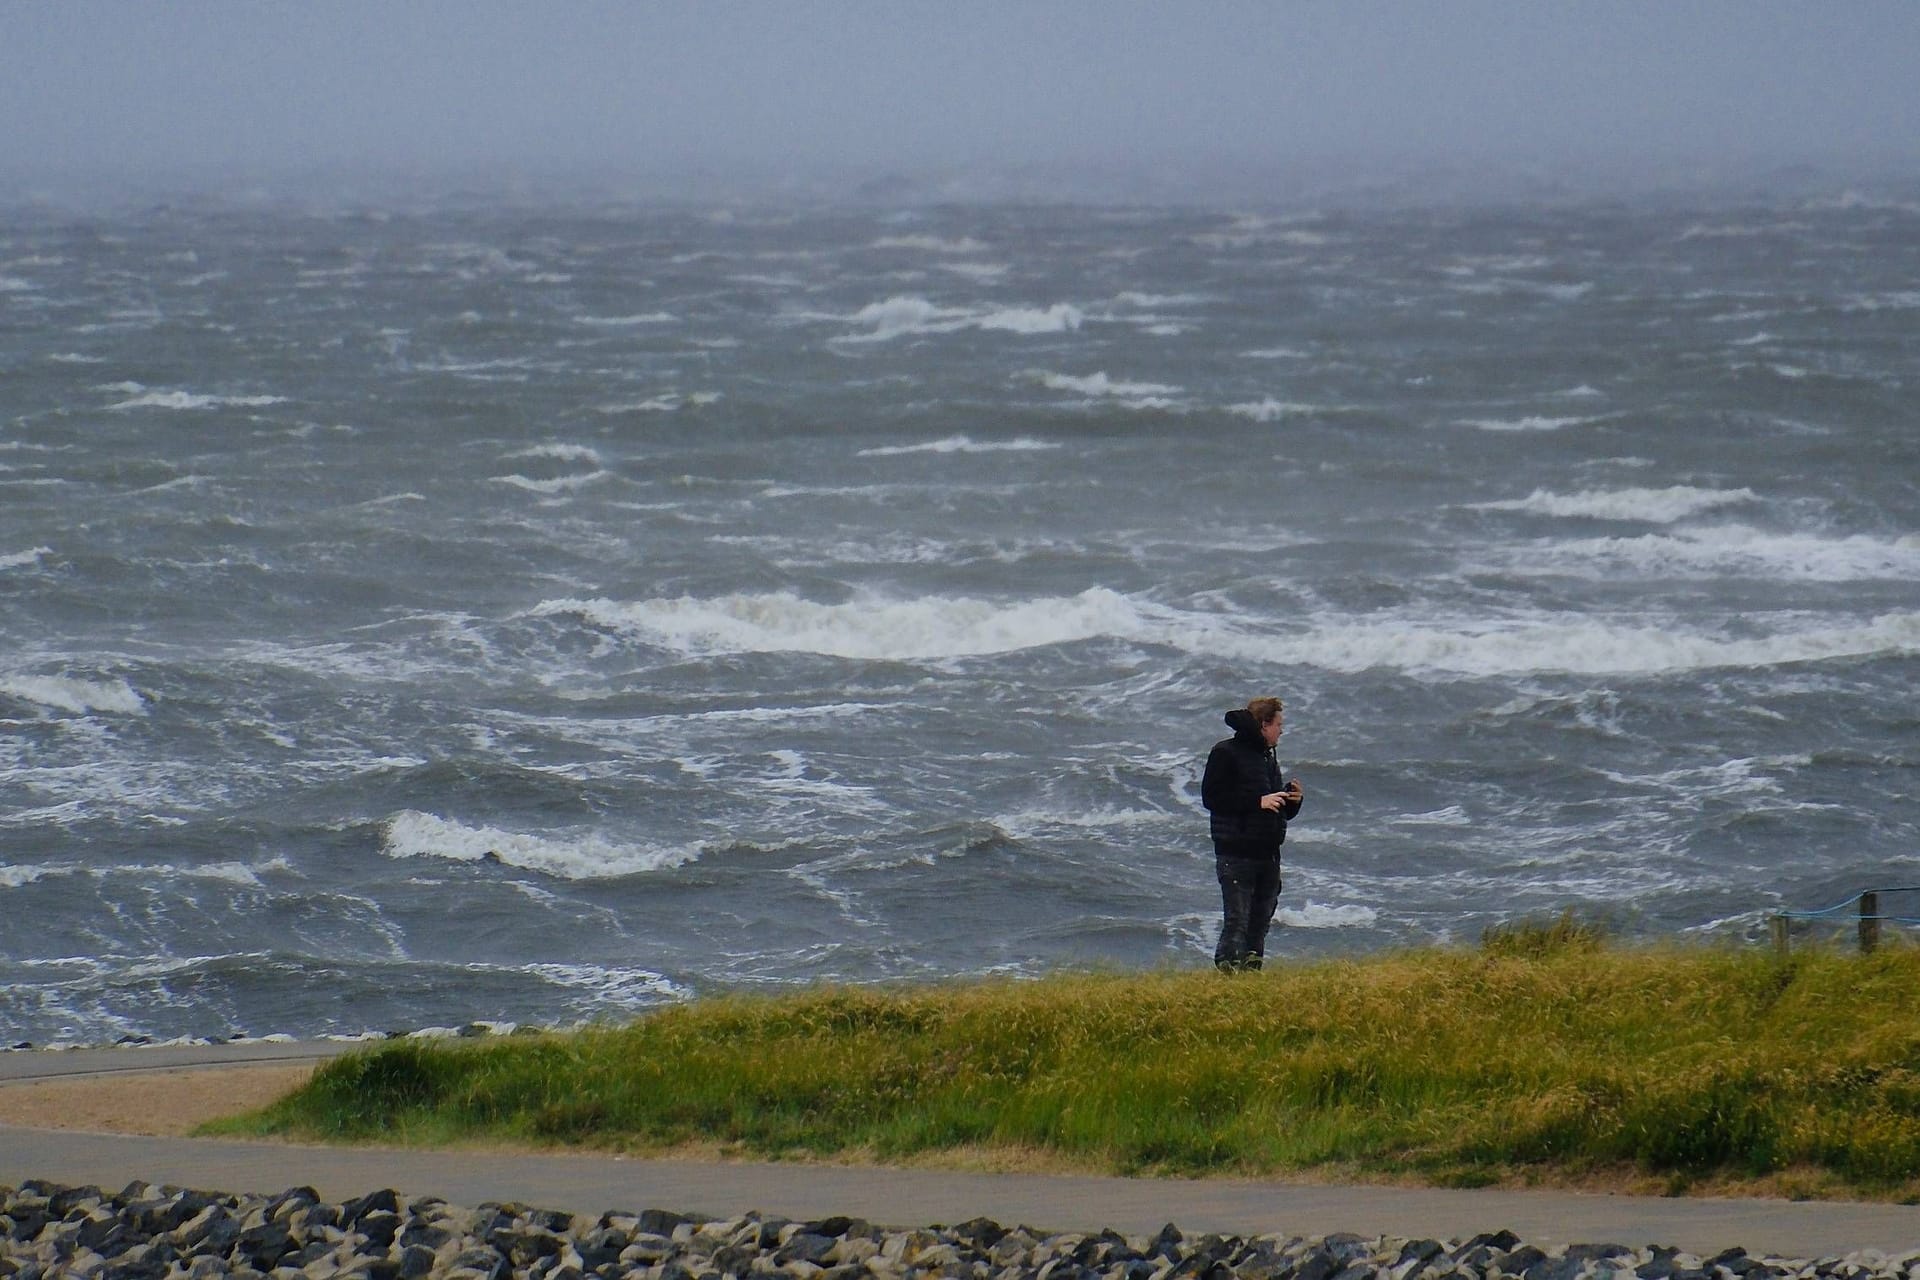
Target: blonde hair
<point>1263,710</point>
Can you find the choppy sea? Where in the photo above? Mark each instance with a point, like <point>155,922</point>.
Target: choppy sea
<point>410,617</point>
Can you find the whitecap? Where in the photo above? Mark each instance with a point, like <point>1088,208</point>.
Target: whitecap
<point>74,357</point>
<point>1058,318</point>
<point>192,400</point>
<point>1270,410</point>
<point>866,628</point>
<point>66,693</point>
<point>951,444</point>
<point>22,559</point>
<point>1534,423</point>
<point>653,404</point>
<point>1451,816</point>
<point>984,272</point>
<point>14,877</point>
<point>636,988</point>
<point>621,322</point>
<point>905,314</point>
<point>1660,506</point>
<point>591,856</point>
<point>1735,550</point>
<point>564,452</point>
<point>1132,298</point>
<point>672,402</point>
<point>1099,384</point>
<point>930,244</point>
<point>558,484</point>
<point>1571,643</point>
<point>1315,915</point>
<point>1275,353</point>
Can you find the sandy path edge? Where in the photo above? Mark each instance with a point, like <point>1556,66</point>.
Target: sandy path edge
<point>167,1103</point>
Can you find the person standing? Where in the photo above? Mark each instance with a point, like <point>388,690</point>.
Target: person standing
<point>1247,811</point>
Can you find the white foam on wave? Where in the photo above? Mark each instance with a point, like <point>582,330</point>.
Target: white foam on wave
<point>1565,643</point>
<point>1271,410</point>
<point>1315,915</point>
<point>1099,384</point>
<point>74,357</point>
<point>669,403</point>
<point>412,834</point>
<point>954,444</point>
<point>15,877</point>
<point>1275,353</point>
<point>1134,298</point>
<point>1531,423</point>
<point>21,559</point>
<point>558,484</point>
<point>906,314</point>
<point>984,272</point>
<point>1894,300</point>
<point>195,400</point>
<point>66,693</point>
<point>1660,506</point>
<point>930,244</point>
<point>870,627</point>
<point>1058,318</point>
<point>1451,816</point>
<point>865,628</point>
<point>632,988</point>
<point>626,322</point>
<point>1736,550</point>
<point>564,452</point>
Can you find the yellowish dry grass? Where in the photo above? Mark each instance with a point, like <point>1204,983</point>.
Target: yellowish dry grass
<point>1543,1057</point>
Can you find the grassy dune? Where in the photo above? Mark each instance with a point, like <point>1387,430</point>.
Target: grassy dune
<point>1542,1057</point>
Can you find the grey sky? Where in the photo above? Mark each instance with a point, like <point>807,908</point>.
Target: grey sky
<point>98,88</point>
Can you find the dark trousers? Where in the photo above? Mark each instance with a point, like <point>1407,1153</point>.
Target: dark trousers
<point>1249,892</point>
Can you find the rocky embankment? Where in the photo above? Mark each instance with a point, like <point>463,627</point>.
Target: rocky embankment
<point>150,1233</point>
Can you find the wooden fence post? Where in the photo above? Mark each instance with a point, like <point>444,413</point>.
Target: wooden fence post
<point>1779,927</point>
<point>1869,922</point>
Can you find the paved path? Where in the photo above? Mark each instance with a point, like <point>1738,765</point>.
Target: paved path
<point>593,1184</point>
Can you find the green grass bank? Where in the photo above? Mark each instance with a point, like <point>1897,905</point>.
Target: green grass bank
<point>1542,1057</point>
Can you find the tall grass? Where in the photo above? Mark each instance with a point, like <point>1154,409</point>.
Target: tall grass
<point>1536,1057</point>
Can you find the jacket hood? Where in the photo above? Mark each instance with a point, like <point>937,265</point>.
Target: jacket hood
<point>1241,721</point>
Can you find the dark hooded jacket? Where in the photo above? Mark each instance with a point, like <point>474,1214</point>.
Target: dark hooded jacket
<point>1239,771</point>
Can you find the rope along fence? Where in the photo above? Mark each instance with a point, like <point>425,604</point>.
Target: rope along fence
<point>1863,907</point>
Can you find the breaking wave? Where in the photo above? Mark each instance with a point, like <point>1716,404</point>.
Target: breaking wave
<point>65,693</point>
<point>412,834</point>
<point>932,627</point>
<point>955,444</point>
<point>192,400</point>
<point>1661,506</point>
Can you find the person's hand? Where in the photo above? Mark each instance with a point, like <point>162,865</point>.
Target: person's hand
<point>1273,801</point>
<point>1293,790</point>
